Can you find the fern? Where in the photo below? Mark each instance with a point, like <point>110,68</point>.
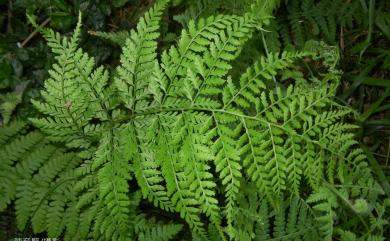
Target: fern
<point>151,230</point>
<point>35,174</point>
<point>8,105</point>
<point>118,38</point>
<point>10,153</point>
<point>225,154</point>
<point>310,19</point>
<point>293,220</point>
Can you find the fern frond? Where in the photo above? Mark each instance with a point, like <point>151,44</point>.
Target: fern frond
<point>138,58</point>
<point>217,59</point>
<point>119,38</point>
<point>178,185</point>
<point>113,178</point>
<point>73,94</point>
<point>195,151</point>
<point>8,105</point>
<point>10,130</point>
<point>324,202</point>
<point>227,159</point>
<point>47,189</point>
<point>310,19</point>
<point>42,176</point>
<point>256,78</point>
<point>11,154</point>
<point>146,167</point>
<point>216,32</point>
<point>292,221</point>
<point>150,230</point>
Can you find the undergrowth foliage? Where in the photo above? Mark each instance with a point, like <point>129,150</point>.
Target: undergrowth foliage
<point>236,159</point>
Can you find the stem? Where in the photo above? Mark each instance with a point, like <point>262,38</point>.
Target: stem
<point>9,17</point>
<point>29,37</point>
